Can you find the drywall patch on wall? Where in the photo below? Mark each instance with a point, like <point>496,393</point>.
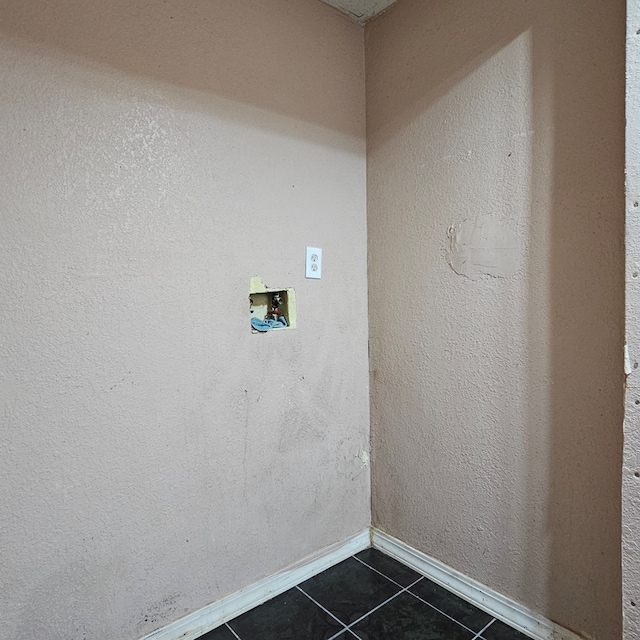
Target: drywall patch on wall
<point>486,245</point>
<point>495,432</point>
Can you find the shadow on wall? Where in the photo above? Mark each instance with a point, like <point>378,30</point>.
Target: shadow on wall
<point>571,376</point>
<point>196,47</point>
<point>578,87</point>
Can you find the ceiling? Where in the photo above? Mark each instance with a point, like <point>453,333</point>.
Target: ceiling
<point>360,10</point>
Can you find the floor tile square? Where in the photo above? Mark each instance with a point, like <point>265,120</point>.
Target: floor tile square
<point>221,633</point>
<point>450,604</point>
<point>500,631</point>
<point>290,616</point>
<point>389,567</point>
<point>406,618</point>
<point>349,589</point>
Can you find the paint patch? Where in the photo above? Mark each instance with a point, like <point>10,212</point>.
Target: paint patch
<point>484,246</point>
<point>364,458</point>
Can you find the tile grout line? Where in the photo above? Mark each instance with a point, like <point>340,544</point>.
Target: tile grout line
<point>464,626</point>
<point>424,601</point>
<point>403,590</point>
<point>486,626</point>
<point>326,611</point>
<point>226,624</point>
<point>380,572</point>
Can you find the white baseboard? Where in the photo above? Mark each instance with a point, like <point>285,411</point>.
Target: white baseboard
<point>213,615</point>
<point>492,602</point>
<point>200,622</point>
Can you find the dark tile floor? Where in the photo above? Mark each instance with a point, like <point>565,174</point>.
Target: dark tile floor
<point>369,596</point>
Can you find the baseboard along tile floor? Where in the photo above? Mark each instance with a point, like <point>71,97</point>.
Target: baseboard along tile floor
<point>369,596</point>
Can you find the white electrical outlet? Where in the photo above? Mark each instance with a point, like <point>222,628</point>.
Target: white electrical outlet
<point>314,263</point>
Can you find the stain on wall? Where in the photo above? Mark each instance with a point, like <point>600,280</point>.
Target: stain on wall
<point>155,155</point>
<point>497,401</point>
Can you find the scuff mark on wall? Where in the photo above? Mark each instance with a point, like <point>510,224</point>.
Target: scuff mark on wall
<point>162,610</point>
<point>362,460</point>
<point>484,246</point>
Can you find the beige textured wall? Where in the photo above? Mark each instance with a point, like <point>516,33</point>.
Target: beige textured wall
<point>497,401</point>
<point>631,466</point>
<point>155,155</point>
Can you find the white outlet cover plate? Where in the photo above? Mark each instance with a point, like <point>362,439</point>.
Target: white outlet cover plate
<point>313,263</point>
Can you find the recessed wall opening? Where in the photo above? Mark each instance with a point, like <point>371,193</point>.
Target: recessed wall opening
<point>271,309</point>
